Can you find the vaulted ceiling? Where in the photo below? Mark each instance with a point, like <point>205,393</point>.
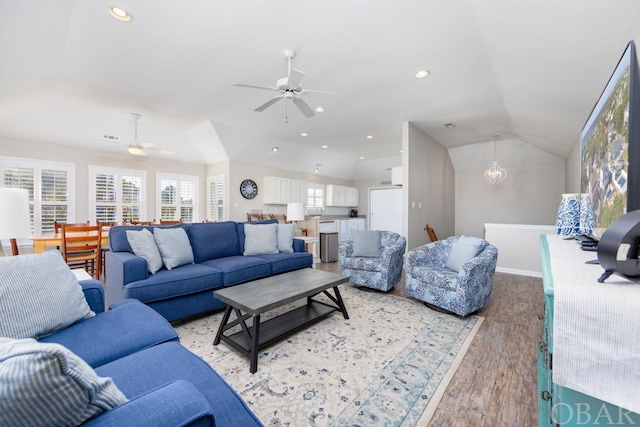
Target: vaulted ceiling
<point>526,70</point>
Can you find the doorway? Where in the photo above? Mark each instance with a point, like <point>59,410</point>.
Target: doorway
<point>385,209</point>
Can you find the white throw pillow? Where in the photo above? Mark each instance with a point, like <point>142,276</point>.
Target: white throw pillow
<point>46,384</point>
<point>39,295</point>
<point>174,246</point>
<point>144,245</point>
<point>260,239</point>
<point>285,237</point>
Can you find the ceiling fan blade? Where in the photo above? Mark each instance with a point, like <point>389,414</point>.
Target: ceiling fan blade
<point>268,104</point>
<point>305,91</point>
<point>145,144</point>
<point>302,106</point>
<point>295,78</point>
<point>254,86</point>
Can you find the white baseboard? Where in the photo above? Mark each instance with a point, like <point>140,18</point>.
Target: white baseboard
<point>519,272</point>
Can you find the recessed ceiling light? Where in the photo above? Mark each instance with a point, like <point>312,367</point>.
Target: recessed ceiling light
<point>449,125</point>
<point>361,157</point>
<point>319,110</point>
<point>421,74</point>
<point>325,146</point>
<point>304,134</point>
<point>369,136</point>
<point>274,149</point>
<point>401,151</point>
<point>119,13</point>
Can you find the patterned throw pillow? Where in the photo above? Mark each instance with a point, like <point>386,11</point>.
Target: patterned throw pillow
<point>174,246</point>
<point>46,384</point>
<point>144,245</point>
<point>39,295</point>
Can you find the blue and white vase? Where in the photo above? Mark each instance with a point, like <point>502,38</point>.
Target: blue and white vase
<point>587,218</point>
<point>568,220</point>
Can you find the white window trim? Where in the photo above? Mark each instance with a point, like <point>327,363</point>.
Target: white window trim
<point>38,165</point>
<point>119,173</point>
<point>225,208</point>
<point>315,187</point>
<point>194,179</point>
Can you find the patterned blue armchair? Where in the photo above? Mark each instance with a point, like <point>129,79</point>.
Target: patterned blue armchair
<point>429,280</point>
<point>378,273</point>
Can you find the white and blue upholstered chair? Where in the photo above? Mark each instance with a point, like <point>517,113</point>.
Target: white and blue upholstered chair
<point>454,275</point>
<point>373,259</point>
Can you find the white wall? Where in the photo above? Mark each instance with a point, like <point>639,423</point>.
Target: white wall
<point>573,170</point>
<point>82,158</point>
<point>428,187</point>
<point>530,194</point>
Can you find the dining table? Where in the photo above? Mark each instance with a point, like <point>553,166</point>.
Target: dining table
<point>44,241</point>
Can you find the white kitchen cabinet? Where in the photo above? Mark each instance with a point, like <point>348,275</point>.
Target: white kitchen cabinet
<point>298,192</point>
<point>346,226</point>
<point>277,191</point>
<point>342,196</point>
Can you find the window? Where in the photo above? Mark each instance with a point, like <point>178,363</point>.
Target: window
<point>215,198</point>
<point>178,197</point>
<point>315,195</point>
<point>50,186</point>
<point>117,194</point>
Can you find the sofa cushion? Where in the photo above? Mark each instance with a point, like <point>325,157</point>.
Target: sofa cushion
<point>146,370</point>
<point>239,269</point>
<point>46,384</point>
<point>214,240</point>
<point>39,295</point>
<point>283,262</point>
<point>462,251</point>
<point>144,245</point>
<point>129,326</point>
<point>261,239</point>
<point>285,237</point>
<point>180,281</point>
<point>366,243</point>
<point>174,246</point>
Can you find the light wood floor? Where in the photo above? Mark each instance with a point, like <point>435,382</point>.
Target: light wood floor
<point>495,384</point>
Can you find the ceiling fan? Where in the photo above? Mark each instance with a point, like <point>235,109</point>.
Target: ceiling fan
<point>289,88</point>
<point>136,148</point>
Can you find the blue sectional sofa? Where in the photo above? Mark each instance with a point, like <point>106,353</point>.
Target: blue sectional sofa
<point>188,290</point>
<point>130,349</point>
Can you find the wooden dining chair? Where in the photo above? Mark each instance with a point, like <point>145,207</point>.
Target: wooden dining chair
<point>104,247</point>
<point>57,226</point>
<point>81,247</point>
<point>142,222</point>
<point>431,233</point>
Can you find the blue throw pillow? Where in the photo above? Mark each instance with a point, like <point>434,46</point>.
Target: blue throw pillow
<point>366,243</point>
<point>46,384</point>
<point>462,251</point>
<point>174,246</point>
<point>144,245</point>
<point>285,237</point>
<point>260,239</point>
<point>39,295</point>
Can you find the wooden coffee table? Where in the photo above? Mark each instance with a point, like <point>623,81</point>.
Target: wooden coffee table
<point>251,299</point>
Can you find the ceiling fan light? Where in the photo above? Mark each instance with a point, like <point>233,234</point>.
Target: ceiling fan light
<point>136,151</point>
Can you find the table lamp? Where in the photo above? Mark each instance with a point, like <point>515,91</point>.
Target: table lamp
<point>14,217</point>
<point>295,212</point>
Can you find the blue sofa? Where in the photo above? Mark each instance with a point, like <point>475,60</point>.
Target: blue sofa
<point>164,383</point>
<point>188,290</point>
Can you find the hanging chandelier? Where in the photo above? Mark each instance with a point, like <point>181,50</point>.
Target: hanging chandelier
<point>495,173</point>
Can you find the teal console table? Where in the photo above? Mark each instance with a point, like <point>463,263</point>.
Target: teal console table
<point>597,355</point>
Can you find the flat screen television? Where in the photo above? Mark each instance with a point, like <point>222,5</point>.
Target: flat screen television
<point>610,149</point>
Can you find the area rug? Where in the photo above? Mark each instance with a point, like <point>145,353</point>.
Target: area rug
<point>388,364</point>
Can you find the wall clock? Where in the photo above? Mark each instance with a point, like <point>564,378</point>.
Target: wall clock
<point>248,189</point>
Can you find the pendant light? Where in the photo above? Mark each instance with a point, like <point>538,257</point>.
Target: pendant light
<point>495,173</point>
